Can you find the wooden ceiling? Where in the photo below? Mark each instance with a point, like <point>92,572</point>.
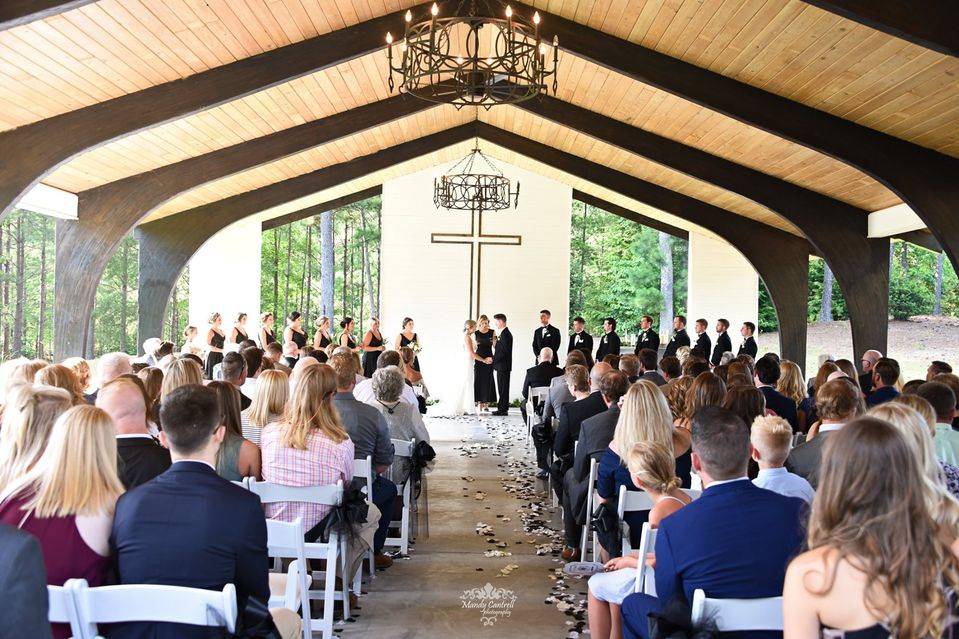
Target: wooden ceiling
<point>114,47</point>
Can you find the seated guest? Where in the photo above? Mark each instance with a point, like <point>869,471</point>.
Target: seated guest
<point>584,386</point>
<point>403,421</point>
<point>648,369</point>
<point>950,473</point>
<point>935,368</point>
<point>808,404</point>
<point>60,376</point>
<point>23,584</point>
<point>943,401</point>
<point>140,458</point>
<point>253,357</point>
<point>559,390</point>
<point>595,434</point>
<point>885,374</point>
<point>150,345</point>
<point>676,393</point>
<point>706,390</point>
<point>298,369</point>
<point>81,368</point>
<point>952,381</point>
<point>67,500</point>
<point>112,365</point>
<point>237,457</point>
<point>746,401</point>
<point>371,438</point>
<point>274,351</point>
<point>233,371</point>
<point>629,365</point>
<point>363,391</point>
<point>739,374</point>
<point>269,402</point>
<point>771,439</point>
<point>28,420</point>
<point>752,532</point>
<point>695,365</point>
<point>846,366</point>
<point>837,402</point>
<point>671,368</point>
<point>182,372</point>
<point>651,467</point>
<point>408,355</point>
<point>189,527</point>
<point>791,386</point>
<point>538,376</point>
<point>152,379</point>
<point>766,375</point>
<point>860,576</point>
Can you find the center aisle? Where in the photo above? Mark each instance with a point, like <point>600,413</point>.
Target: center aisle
<point>441,590</point>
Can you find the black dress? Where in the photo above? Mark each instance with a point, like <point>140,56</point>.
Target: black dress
<point>350,341</point>
<point>370,357</point>
<point>484,392</point>
<point>214,358</point>
<point>407,342</point>
<point>300,340</point>
<point>269,337</point>
<point>240,336</point>
<point>324,341</point>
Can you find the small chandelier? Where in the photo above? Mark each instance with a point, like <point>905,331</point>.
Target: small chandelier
<point>456,61</point>
<point>467,188</point>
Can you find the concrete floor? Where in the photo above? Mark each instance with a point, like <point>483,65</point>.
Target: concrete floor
<point>421,596</point>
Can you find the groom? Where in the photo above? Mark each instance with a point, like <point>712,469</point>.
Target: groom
<point>502,363</point>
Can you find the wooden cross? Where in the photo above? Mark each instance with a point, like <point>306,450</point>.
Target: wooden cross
<point>476,240</point>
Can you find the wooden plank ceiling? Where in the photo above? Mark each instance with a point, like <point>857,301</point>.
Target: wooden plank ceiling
<point>113,47</point>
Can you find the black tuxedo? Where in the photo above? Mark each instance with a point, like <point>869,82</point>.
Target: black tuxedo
<point>704,344</point>
<point>503,365</point>
<point>609,344</point>
<point>679,338</point>
<point>540,375</point>
<point>723,344</point>
<point>140,459</point>
<point>647,339</point>
<point>580,342</point>
<point>551,338</point>
<point>748,347</point>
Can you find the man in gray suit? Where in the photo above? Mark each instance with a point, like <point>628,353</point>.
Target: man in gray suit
<point>558,392</point>
<point>837,403</point>
<point>23,586</point>
<point>648,368</point>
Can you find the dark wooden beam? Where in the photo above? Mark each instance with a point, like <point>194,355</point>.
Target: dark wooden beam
<point>109,212</point>
<point>621,211</point>
<point>933,24</point>
<point>322,207</point>
<point>13,13</point>
<point>921,238</point>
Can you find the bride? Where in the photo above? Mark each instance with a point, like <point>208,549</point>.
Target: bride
<point>463,402</point>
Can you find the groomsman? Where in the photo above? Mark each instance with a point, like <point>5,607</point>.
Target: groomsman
<point>609,343</point>
<point>648,338</point>
<point>703,343</point>
<point>680,336</point>
<point>502,363</point>
<point>580,340</point>
<point>748,346</point>
<point>546,336</point>
<point>723,343</point>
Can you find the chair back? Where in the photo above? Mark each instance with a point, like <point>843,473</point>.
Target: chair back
<point>363,468</point>
<point>632,500</point>
<point>62,606</point>
<point>539,392</point>
<point>645,581</point>
<point>732,615</point>
<point>330,495</point>
<point>402,448</point>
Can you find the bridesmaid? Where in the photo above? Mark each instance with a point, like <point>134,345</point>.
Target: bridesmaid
<point>266,330</point>
<point>215,341</point>
<point>322,338</point>
<point>484,393</point>
<point>372,347</point>
<point>189,341</point>
<point>294,333</point>
<point>409,338</point>
<point>347,338</point>
<point>238,332</point>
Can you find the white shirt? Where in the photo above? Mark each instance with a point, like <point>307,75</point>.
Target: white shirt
<point>780,480</point>
<point>826,428</point>
<point>249,387</point>
<point>720,482</point>
<point>364,392</point>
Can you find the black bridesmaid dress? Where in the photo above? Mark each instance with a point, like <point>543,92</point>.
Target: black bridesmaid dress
<point>300,340</point>
<point>269,337</point>
<point>324,341</point>
<point>407,342</point>
<point>370,357</point>
<point>484,392</point>
<point>214,358</point>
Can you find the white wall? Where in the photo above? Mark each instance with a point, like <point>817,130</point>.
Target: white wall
<point>225,277</point>
<point>430,282</point>
<point>722,283</point>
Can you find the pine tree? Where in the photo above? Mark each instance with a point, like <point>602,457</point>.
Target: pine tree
<point>825,310</point>
<point>327,265</point>
<point>666,285</point>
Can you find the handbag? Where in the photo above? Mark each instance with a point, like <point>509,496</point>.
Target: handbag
<point>255,622</point>
<point>543,434</point>
<point>606,524</point>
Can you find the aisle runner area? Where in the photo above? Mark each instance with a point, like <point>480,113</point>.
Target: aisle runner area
<point>490,566</point>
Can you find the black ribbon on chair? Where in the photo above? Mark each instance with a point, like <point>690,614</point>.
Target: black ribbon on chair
<point>420,457</point>
<point>674,621</point>
<point>346,518</point>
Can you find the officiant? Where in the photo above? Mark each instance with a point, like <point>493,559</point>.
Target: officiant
<point>546,336</point>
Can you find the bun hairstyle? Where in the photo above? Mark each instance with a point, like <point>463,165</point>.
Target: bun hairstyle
<point>240,317</point>
<point>468,325</point>
<point>188,330</point>
<point>346,321</point>
<point>407,320</point>
<point>264,317</point>
<point>292,317</point>
<point>322,320</point>
<point>653,465</point>
<point>214,317</point>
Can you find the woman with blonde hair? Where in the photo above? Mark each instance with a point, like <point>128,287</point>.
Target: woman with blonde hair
<point>322,338</point>
<point>308,447</point>
<point>237,457</point>
<point>27,421</point>
<point>182,372</point>
<point>269,403</point>
<point>189,341</point>
<point>81,368</point>
<point>790,384</point>
<point>67,501</point>
<point>17,372</point>
<point>299,368</point>
<point>878,564</point>
<point>215,344</point>
<point>651,467</point>
<point>707,389</point>
<point>60,376</point>
<point>676,392</point>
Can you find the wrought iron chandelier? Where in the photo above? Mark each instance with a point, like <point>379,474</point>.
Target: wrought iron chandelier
<point>470,187</point>
<point>473,60</point>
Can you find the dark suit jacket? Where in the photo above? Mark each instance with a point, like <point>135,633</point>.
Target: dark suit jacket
<point>749,347</point>
<point>595,434</point>
<point>781,405</point>
<point>140,459</point>
<point>865,382</point>
<point>805,458</point>
<point>753,534</point>
<point>189,527</point>
<point>723,344</point>
<point>23,586</point>
<point>647,339</point>
<point>584,344</point>
<point>571,416</point>
<point>540,375</point>
<point>654,377</point>
<point>704,344</point>
<point>551,340</point>
<point>609,344</point>
<point>503,355</point>
<point>679,338</point>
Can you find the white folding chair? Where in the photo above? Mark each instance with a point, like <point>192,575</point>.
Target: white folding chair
<point>591,497</point>
<point>152,603</point>
<point>731,615</point>
<point>554,422</point>
<point>332,551</point>
<point>363,469</point>
<point>291,590</point>
<point>646,576</point>
<point>402,448</point>
<point>62,607</point>
<point>535,393</point>
<point>630,501</point>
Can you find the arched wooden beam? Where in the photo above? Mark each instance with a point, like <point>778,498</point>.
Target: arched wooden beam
<point>323,207</point>
<point>841,241</point>
<point>933,24</point>
<point>109,212</point>
<point>639,218</point>
<point>13,13</point>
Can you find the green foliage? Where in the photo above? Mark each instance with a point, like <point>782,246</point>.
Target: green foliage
<point>908,297</point>
<point>768,320</point>
<point>839,311</point>
<point>35,233</point>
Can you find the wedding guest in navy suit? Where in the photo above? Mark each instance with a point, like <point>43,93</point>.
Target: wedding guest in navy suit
<point>735,541</point>
<point>767,373</point>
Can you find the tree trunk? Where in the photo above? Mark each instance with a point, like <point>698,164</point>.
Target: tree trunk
<point>41,315</point>
<point>309,268</point>
<point>289,263</point>
<point>666,286</point>
<point>904,259</point>
<point>346,272</point>
<point>21,292</point>
<point>175,312</point>
<point>5,293</point>
<point>937,309</point>
<point>327,275</point>
<point>124,294</point>
<point>892,253</point>
<point>276,274</point>
<point>582,262</point>
<point>379,253</point>
<point>374,311</point>
<point>825,310</point>
<point>299,294</point>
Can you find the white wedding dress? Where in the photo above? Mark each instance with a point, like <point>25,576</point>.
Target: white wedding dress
<point>461,400</point>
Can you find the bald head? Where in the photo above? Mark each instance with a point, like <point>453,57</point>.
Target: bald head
<point>546,355</point>
<point>123,401</point>
<point>599,369</point>
<point>869,359</point>
<point>112,365</point>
